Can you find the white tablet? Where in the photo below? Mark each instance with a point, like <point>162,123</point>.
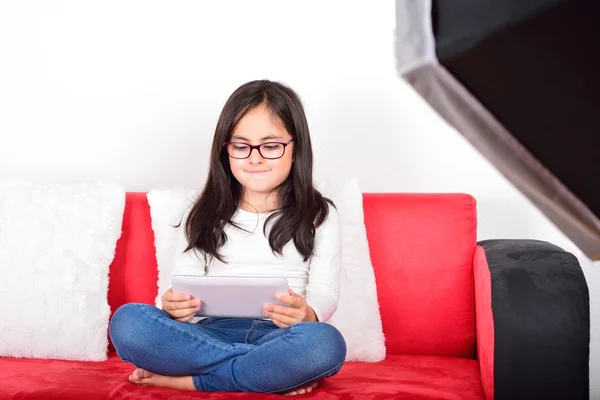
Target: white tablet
<point>228,296</point>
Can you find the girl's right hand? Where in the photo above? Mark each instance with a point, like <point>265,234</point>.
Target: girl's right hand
<point>180,306</point>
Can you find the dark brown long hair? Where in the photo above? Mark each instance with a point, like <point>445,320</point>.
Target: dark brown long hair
<point>302,207</point>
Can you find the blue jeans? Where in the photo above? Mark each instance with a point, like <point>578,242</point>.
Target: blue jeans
<point>227,354</point>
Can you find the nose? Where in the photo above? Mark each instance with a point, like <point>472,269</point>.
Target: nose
<point>255,157</point>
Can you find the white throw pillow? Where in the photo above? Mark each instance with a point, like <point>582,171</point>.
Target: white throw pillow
<point>167,209</point>
<point>56,245</point>
<point>357,316</point>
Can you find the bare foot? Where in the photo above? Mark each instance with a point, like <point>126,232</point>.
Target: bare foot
<point>145,378</point>
<point>303,389</point>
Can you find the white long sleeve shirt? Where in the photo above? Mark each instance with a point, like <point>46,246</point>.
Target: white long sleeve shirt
<point>249,254</point>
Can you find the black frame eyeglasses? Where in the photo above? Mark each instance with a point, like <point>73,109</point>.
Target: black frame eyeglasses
<point>264,146</point>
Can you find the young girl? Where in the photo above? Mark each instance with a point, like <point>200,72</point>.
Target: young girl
<point>258,215</point>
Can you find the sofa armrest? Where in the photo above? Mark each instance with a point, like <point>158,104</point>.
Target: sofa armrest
<point>532,321</point>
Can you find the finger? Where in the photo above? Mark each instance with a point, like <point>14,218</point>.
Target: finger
<point>283,319</point>
<point>290,300</point>
<point>180,296</point>
<point>179,305</point>
<point>185,319</point>
<point>283,310</point>
<point>182,313</point>
<point>280,325</point>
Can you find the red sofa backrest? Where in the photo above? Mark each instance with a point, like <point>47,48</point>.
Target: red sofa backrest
<point>421,247</point>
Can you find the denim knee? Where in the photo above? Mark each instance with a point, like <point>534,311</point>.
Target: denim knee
<point>327,348</point>
<point>126,326</point>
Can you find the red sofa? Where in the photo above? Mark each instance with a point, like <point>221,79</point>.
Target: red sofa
<point>504,319</point>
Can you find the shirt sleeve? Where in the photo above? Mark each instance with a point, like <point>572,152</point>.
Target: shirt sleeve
<point>322,290</point>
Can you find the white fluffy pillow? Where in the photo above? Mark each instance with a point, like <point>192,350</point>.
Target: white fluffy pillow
<point>56,245</point>
<point>357,316</point>
<point>167,209</point>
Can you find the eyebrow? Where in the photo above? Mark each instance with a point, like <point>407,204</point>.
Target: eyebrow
<point>268,137</point>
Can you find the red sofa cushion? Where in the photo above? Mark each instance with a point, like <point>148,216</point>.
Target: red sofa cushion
<point>133,274</point>
<point>422,248</point>
<point>398,377</point>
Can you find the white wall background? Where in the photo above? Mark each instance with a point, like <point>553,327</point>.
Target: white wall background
<point>130,92</point>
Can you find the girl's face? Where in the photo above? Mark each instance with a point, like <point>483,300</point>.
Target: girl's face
<point>257,175</point>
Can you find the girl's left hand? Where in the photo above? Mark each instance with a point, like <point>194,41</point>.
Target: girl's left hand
<point>297,310</point>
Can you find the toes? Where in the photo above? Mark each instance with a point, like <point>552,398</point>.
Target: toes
<point>143,373</point>
<point>142,382</point>
<point>139,376</point>
<point>303,390</point>
<point>135,381</point>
